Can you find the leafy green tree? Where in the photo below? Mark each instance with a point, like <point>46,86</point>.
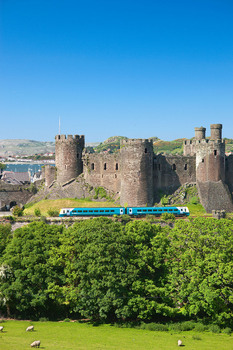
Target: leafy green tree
<point>112,271</point>
<point>26,271</point>
<point>200,264</point>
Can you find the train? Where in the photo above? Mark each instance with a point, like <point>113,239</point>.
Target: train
<point>132,211</point>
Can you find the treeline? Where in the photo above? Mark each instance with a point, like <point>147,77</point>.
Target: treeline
<point>105,270</point>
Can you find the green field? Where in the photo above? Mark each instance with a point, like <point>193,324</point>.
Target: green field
<point>57,204</point>
<point>76,336</point>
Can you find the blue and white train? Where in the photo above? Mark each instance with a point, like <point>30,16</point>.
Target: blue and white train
<point>132,211</point>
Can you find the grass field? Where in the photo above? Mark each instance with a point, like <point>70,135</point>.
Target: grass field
<point>57,204</point>
<point>76,336</point>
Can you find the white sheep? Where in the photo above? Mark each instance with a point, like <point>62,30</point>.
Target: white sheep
<point>30,328</point>
<point>179,342</point>
<point>35,344</point>
<point>1,328</point>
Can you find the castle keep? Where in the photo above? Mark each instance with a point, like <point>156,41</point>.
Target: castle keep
<point>137,175</point>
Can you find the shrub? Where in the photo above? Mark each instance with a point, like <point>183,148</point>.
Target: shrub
<point>214,328</point>
<point>194,200</point>
<point>17,211</point>
<point>187,326</point>
<point>66,320</point>
<point>125,218</point>
<point>168,217</point>
<point>37,212</point>
<point>199,327</point>
<point>227,330</point>
<point>53,212</point>
<point>43,319</point>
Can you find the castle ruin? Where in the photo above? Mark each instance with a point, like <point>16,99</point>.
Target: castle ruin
<point>137,174</point>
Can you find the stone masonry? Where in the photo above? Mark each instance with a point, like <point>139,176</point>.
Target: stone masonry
<point>137,175</point>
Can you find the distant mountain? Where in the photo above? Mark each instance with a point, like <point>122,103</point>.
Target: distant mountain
<point>25,147</point>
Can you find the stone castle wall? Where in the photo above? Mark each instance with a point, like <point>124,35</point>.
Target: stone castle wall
<point>103,170</point>
<point>137,174</point>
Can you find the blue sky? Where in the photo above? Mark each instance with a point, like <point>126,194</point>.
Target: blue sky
<point>132,68</point>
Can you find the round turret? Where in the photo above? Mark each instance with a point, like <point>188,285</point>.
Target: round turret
<point>68,156</point>
<point>216,131</point>
<point>136,172</point>
<point>200,133</point>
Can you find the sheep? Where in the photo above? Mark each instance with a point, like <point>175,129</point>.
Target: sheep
<point>35,344</point>
<point>30,328</point>
<point>1,328</point>
<point>179,342</point>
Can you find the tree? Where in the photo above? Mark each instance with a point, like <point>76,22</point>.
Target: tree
<point>23,285</point>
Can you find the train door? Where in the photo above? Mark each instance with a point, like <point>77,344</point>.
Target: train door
<point>121,211</point>
<point>68,212</point>
<point>130,211</point>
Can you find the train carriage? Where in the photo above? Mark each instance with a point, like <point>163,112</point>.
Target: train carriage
<point>177,211</point>
<point>91,211</point>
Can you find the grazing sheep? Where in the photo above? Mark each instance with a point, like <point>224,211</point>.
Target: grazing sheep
<point>1,328</point>
<point>35,344</point>
<point>179,342</point>
<point>30,328</point>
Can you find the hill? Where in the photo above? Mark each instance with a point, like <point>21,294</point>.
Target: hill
<point>25,147</point>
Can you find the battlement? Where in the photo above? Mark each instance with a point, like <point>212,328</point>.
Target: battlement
<point>69,137</point>
<point>204,141</point>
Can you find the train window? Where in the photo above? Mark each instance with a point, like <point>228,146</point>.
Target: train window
<point>164,209</point>
<point>106,211</point>
<point>175,209</point>
<point>160,210</point>
<point>149,210</point>
<point>170,209</point>
<point>116,166</point>
<point>85,211</point>
<point>95,211</point>
<point>154,210</point>
<point>105,166</point>
<point>79,211</point>
<point>144,210</point>
<point>145,150</point>
<point>215,152</point>
<point>112,211</point>
<point>101,211</point>
<point>185,167</point>
<point>92,166</point>
<point>90,211</point>
<point>173,167</point>
<point>139,210</point>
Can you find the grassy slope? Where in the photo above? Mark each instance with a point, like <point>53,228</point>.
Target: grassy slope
<point>73,336</point>
<point>57,204</point>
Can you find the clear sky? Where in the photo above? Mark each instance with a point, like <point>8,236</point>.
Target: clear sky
<point>134,68</point>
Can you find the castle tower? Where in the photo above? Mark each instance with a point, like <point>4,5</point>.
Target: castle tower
<point>210,156</point>
<point>200,133</point>
<point>68,156</point>
<point>136,172</point>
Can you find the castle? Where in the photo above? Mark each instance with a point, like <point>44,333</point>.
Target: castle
<point>137,174</point>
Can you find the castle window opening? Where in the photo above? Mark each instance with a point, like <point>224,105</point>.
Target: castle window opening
<point>105,166</point>
<point>185,167</point>
<point>215,152</point>
<point>92,166</point>
<point>145,150</point>
<point>78,155</point>
<point>116,166</point>
<point>159,166</point>
<point>173,167</point>
<point>202,160</point>
<point>115,176</point>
